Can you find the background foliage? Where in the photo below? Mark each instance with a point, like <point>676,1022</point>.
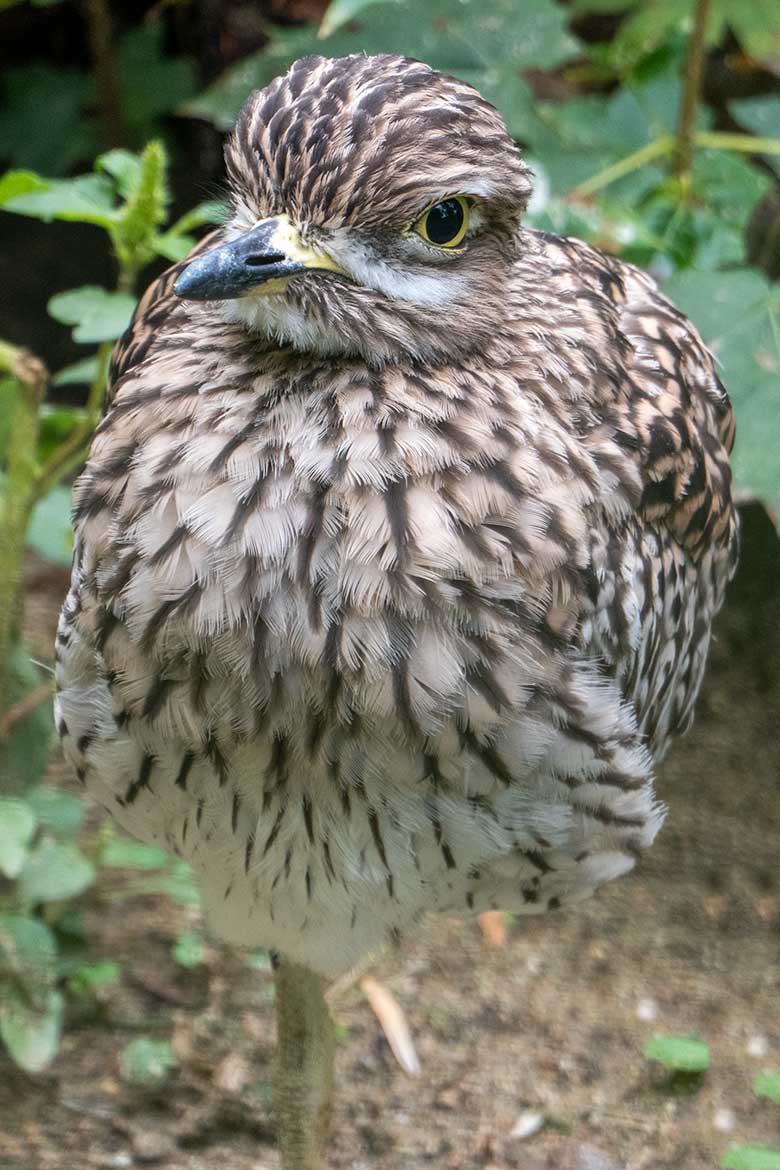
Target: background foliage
<point>111,137</point>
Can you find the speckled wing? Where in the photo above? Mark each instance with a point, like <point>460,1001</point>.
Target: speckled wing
<point>657,579</point>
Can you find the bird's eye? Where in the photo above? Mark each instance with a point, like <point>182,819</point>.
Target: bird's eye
<point>445,223</point>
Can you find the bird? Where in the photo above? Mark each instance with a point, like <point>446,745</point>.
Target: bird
<point>397,549</point>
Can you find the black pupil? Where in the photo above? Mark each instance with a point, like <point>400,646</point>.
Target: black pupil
<point>444,221</point>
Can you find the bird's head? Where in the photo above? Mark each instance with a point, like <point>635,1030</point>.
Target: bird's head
<point>376,210</point>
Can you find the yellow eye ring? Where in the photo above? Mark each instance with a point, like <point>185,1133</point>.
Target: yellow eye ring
<point>445,224</point>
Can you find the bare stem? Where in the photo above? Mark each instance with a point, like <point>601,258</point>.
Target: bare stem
<point>70,453</point>
<point>303,1081</point>
<point>106,73</point>
<point>18,497</point>
<point>694,66</point>
<point>745,143</point>
<point>31,702</point>
<point>624,166</point>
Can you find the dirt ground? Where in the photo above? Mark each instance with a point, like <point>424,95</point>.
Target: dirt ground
<point>552,1024</point>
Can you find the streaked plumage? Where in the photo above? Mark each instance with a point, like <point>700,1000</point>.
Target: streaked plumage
<point>391,585</point>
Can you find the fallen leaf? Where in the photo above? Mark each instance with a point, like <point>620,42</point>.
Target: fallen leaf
<point>393,1023</point>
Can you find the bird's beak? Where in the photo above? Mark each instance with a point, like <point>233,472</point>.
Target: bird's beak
<point>263,259</point>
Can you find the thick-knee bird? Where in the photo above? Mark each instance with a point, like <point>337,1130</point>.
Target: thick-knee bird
<point>398,547</point>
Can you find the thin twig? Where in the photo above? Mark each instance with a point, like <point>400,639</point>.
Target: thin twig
<point>71,451</point>
<point>17,494</point>
<point>106,71</point>
<point>694,66</point>
<point>745,143</point>
<point>624,166</point>
<point>31,702</point>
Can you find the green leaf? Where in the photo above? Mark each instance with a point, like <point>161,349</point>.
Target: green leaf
<point>646,29</point>
<point>757,25</point>
<point>738,314</point>
<point>212,211</point>
<point>56,424</point>
<point>25,752</point>
<point>28,955</point>
<point>59,812</point>
<point>189,949</point>
<point>339,12</point>
<point>580,138</point>
<point>767,1084</point>
<point>79,373</point>
<point>172,247</point>
<point>678,1053</point>
<point>97,314</point>
<point>152,82</point>
<point>258,960</point>
<point>578,6</point>
<point>43,119</point>
<point>30,1006</point>
<point>123,166</point>
<point>144,210</point>
<point>487,45</point>
<point>85,199</point>
<point>17,825</point>
<point>145,1061</point>
<point>54,871</point>
<point>751,1158</point>
<point>51,531</point>
<point>90,977</point>
<point>16,183</point>
<point>31,1036</point>
<point>122,853</point>
<point>760,115</point>
<point>178,882</point>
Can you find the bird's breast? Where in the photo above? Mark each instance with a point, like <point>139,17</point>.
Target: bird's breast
<point>395,543</point>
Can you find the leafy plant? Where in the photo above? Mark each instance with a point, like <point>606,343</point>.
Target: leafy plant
<point>679,1054</point>
<point>751,1158</point>
<point>767,1084</point>
<point>146,1061</point>
<point>126,196</point>
<point>50,116</point>
<point>640,171</point>
<point>46,869</point>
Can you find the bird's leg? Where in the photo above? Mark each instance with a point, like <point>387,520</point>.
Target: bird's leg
<point>303,1078</point>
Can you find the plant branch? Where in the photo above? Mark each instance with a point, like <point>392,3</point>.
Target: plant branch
<point>745,143</point>
<point>18,494</point>
<point>624,166</point>
<point>106,71</point>
<point>694,66</point>
<point>71,451</point>
<point>31,702</point>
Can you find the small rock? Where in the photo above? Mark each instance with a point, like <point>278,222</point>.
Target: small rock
<point>448,1098</point>
<point>119,1161</point>
<point>150,1146</point>
<point>724,1120</point>
<point>232,1074</point>
<point>647,1009</point>
<point>528,1123</point>
<point>757,1045</point>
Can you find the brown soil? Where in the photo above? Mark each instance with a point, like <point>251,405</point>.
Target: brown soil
<point>553,1023</point>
